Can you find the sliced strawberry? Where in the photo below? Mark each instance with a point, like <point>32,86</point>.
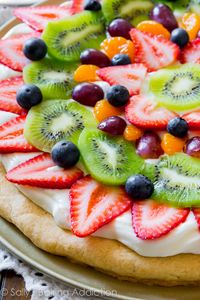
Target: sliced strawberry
<point>39,16</point>
<point>11,51</point>
<point>152,220</point>
<point>78,6</point>
<point>191,53</point>
<point>196,212</point>
<point>144,113</point>
<point>130,76</point>
<point>193,119</point>
<point>153,50</point>
<point>8,89</point>
<point>94,205</point>
<point>12,138</point>
<point>41,171</point>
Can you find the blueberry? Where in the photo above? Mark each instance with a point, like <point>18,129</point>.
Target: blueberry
<point>92,5</point>
<point>118,95</point>
<point>65,154</point>
<point>139,187</point>
<point>178,127</point>
<point>35,49</point>
<point>28,95</point>
<point>180,37</point>
<point>120,59</point>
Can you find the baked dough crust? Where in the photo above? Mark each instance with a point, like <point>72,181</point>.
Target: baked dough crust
<point>106,255</point>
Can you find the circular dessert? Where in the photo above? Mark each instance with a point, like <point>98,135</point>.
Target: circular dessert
<point>100,135</point>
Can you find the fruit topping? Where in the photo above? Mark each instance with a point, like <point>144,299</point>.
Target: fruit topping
<point>8,90</point>
<point>14,58</point>
<point>139,187</point>
<point>116,45</point>
<point>120,59</point>
<point>67,38</point>
<point>162,14</point>
<point>144,113</point>
<point>132,133</point>
<point>192,147</point>
<point>94,57</point>
<point>38,17</point>
<point>196,212</point>
<point>93,5</point>
<point>54,78</point>
<point>65,154</point>
<point>86,73</point>
<point>133,11</point>
<point>118,95</point>
<point>171,144</point>
<point>103,110</point>
<point>193,119</point>
<point>154,28</point>
<point>177,87</point>
<point>110,160</point>
<point>114,125</point>
<point>178,127</point>
<point>149,145</point>
<point>191,23</point>
<point>176,180</point>
<point>180,37</point>
<point>154,51</point>
<point>12,137</point>
<point>28,95</point>
<point>191,53</point>
<point>129,76</point>
<point>87,93</point>
<point>35,49</point>
<point>41,171</point>
<point>94,205</point>
<point>152,220</point>
<point>77,6</point>
<point>120,27</point>
<point>56,120</point>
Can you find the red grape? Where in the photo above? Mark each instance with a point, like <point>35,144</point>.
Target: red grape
<point>120,27</point>
<point>87,93</point>
<point>94,57</point>
<point>149,145</point>
<point>163,14</point>
<point>192,147</point>
<point>113,125</point>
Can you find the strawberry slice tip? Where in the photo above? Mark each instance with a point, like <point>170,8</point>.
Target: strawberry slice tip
<point>152,50</point>
<point>152,220</point>
<point>41,171</point>
<point>94,205</point>
<point>191,53</point>
<point>193,119</point>
<point>144,113</point>
<point>130,76</point>
<point>196,212</point>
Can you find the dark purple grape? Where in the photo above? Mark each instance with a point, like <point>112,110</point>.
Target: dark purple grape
<point>163,14</point>
<point>192,147</point>
<point>149,145</point>
<point>87,93</point>
<point>120,27</point>
<point>113,125</point>
<point>94,57</point>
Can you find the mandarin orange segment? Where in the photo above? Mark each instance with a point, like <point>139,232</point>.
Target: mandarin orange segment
<point>86,73</point>
<point>103,109</point>
<point>191,23</point>
<point>171,144</point>
<point>115,45</point>
<point>154,28</point>
<point>132,133</point>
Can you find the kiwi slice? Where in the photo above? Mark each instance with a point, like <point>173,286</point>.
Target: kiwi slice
<point>56,120</point>
<point>132,10</point>
<point>54,78</point>
<point>195,6</point>
<point>67,38</point>
<point>110,160</point>
<point>178,87</point>
<point>177,180</point>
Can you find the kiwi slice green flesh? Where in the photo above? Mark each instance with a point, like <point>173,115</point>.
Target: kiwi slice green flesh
<point>54,78</point>
<point>110,160</point>
<point>132,10</point>
<point>56,120</point>
<point>67,38</point>
<point>177,180</point>
<point>195,6</point>
<point>177,88</point>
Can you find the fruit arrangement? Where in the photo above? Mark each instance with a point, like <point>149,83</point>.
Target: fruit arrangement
<point>110,94</point>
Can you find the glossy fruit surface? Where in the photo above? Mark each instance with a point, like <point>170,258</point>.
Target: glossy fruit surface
<point>132,133</point>
<point>120,27</point>
<point>118,95</point>
<point>180,37</point>
<point>87,93</point>
<point>114,125</point>
<point>171,144</point>
<point>120,59</point>
<point>103,109</point>
<point>191,23</point>
<point>65,154</point>
<point>86,73</point>
<point>92,5</point>
<point>139,187</point>
<point>154,28</point>
<point>28,95</point>
<point>192,147</point>
<point>149,145</point>
<point>178,127</point>
<point>94,57</point>
<point>115,45</point>
<point>163,14</point>
<point>35,49</point>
